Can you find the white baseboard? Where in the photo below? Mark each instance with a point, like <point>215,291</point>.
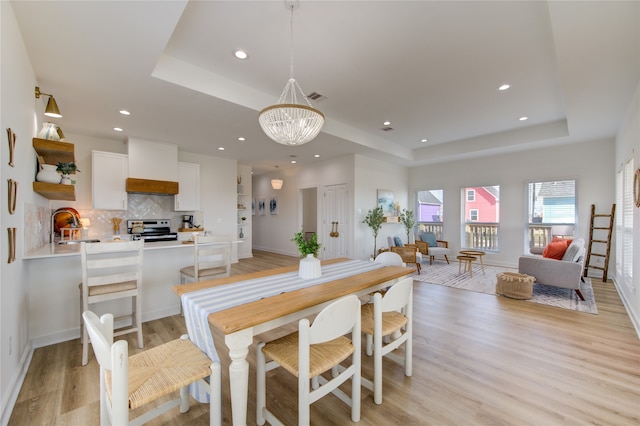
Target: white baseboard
<point>16,384</point>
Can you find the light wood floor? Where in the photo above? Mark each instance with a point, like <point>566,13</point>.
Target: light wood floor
<point>478,360</point>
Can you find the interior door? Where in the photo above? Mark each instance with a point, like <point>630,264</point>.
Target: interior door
<point>336,222</point>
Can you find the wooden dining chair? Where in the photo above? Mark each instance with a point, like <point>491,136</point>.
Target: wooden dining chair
<point>111,270</point>
<point>408,255</point>
<point>130,382</point>
<point>313,350</point>
<point>389,316</point>
<point>212,259</point>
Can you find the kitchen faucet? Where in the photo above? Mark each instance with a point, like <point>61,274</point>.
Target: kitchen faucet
<point>53,218</point>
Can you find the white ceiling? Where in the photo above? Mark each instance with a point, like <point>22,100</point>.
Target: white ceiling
<point>431,68</point>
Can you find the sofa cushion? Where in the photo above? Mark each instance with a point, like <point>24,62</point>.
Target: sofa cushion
<point>429,238</point>
<point>555,250</point>
<point>573,252</point>
<point>398,241</point>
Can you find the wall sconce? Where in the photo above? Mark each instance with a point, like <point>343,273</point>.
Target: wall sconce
<point>276,183</point>
<point>52,107</point>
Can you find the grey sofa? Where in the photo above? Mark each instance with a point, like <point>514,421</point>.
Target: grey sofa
<point>566,273</point>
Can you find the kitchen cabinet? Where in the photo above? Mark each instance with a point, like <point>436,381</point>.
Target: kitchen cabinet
<point>188,197</point>
<point>53,152</point>
<point>109,180</point>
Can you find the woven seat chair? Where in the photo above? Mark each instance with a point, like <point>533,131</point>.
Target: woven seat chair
<point>388,316</point>
<point>212,259</point>
<point>127,383</point>
<point>111,270</point>
<point>408,254</point>
<point>311,351</point>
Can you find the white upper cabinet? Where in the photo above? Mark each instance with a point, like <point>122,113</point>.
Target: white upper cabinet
<point>188,197</point>
<point>109,180</point>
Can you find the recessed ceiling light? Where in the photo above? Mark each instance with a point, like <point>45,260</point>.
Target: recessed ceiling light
<point>293,161</point>
<point>117,129</point>
<point>317,155</point>
<point>386,123</point>
<point>221,148</point>
<point>504,87</point>
<point>124,112</point>
<point>240,54</point>
<point>424,140</point>
<point>241,138</point>
<point>523,118</point>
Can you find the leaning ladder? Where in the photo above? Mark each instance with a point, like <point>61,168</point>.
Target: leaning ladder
<point>598,229</point>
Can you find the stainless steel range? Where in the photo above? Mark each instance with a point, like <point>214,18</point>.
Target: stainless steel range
<point>151,230</point>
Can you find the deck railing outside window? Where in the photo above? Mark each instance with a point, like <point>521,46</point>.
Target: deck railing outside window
<point>482,236</point>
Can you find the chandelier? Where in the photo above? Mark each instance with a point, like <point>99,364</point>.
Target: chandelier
<point>289,122</point>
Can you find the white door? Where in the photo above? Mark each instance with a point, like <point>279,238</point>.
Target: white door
<point>336,222</point>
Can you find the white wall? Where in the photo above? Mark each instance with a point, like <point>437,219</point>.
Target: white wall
<point>18,108</point>
<point>274,232</point>
<point>591,164</point>
<point>372,175</point>
<point>628,145</point>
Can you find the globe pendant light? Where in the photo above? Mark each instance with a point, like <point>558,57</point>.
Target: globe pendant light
<point>289,122</point>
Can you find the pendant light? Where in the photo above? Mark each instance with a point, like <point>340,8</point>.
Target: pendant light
<point>289,122</point>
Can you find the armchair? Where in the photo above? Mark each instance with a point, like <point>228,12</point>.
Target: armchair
<point>397,242</point>
<point>432,247</point>
<point>408,254</point>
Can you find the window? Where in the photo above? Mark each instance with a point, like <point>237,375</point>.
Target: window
<point>481,226</point>
<point>624,224</point>
<point>551,211</point>
<point>430,210</point>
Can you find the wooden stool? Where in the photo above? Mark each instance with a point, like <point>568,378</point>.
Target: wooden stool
<point>468,264</point>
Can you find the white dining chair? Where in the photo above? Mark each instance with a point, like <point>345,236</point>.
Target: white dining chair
<point>212,259</point>
<point>111,270</point>
<point>130,382</point>
<point>390,258</point>
<point>313,350</point>
<point>389,316</point>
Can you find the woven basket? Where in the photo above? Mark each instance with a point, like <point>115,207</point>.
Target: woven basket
<point>514,285</point>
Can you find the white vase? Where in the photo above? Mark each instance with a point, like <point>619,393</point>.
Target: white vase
<point>66,180</point>
<point>49,131</point>
<point>48,174</point>
<point>310,267</point>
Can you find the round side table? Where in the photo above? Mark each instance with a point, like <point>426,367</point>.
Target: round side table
<point>468,264</point>
<point>477,253</point>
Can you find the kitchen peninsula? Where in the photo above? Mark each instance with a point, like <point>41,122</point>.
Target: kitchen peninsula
<point>54,274</point>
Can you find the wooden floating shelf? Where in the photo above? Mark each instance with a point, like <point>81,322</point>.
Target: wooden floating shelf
<point>55,191</point>
<point>54,151</point>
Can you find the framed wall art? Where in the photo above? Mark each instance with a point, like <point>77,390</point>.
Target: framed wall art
<point>273,205</point>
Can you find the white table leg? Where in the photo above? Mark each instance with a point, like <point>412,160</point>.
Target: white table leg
<point>238,344</point>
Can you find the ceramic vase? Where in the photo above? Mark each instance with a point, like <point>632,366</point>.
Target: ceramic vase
<point>241,233</point>
<point>310,267</point>
<point>49,131</point>
<point>48,174</point>
<point>66,180</point>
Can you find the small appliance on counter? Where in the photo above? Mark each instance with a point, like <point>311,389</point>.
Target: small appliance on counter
<point>187,221</point>
<point>151,230</point>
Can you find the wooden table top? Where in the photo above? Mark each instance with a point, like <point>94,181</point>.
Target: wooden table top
<point>260,311</point>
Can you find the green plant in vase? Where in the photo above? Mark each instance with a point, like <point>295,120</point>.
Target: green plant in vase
<point>374,219</point>
<point>306,247</point>
<point>408,221</point>
<point>66,169</point>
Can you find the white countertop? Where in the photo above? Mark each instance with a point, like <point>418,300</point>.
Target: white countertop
<point>59,250</point>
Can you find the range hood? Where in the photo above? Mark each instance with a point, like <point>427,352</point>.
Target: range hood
<point>153,167</point>
<point>150,186</point>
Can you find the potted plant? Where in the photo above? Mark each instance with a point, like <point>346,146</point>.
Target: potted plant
<point>374,219</point>
<point>408,221</point>
<point>310,264</point>
<point>66,169</point>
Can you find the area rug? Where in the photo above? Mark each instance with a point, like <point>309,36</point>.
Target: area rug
<point>447,275</point>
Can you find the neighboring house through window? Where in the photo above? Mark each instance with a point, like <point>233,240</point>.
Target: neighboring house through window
<point>481,226</point>
<point>430,210</point>
<point>551,211</point>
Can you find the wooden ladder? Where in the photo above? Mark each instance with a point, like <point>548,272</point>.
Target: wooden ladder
<point>600,259</point>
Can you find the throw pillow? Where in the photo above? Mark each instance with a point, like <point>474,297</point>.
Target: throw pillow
<point>555,250</point>
<point>429,238</point>
<point>398,242</point>
<point>573,250</point>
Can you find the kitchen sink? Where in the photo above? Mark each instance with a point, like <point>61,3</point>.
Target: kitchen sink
<point>67,242</point>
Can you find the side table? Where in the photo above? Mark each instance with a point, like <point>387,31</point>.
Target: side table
<point>476,253</point>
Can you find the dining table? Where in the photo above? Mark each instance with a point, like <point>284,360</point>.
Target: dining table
<point>243,306</point>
